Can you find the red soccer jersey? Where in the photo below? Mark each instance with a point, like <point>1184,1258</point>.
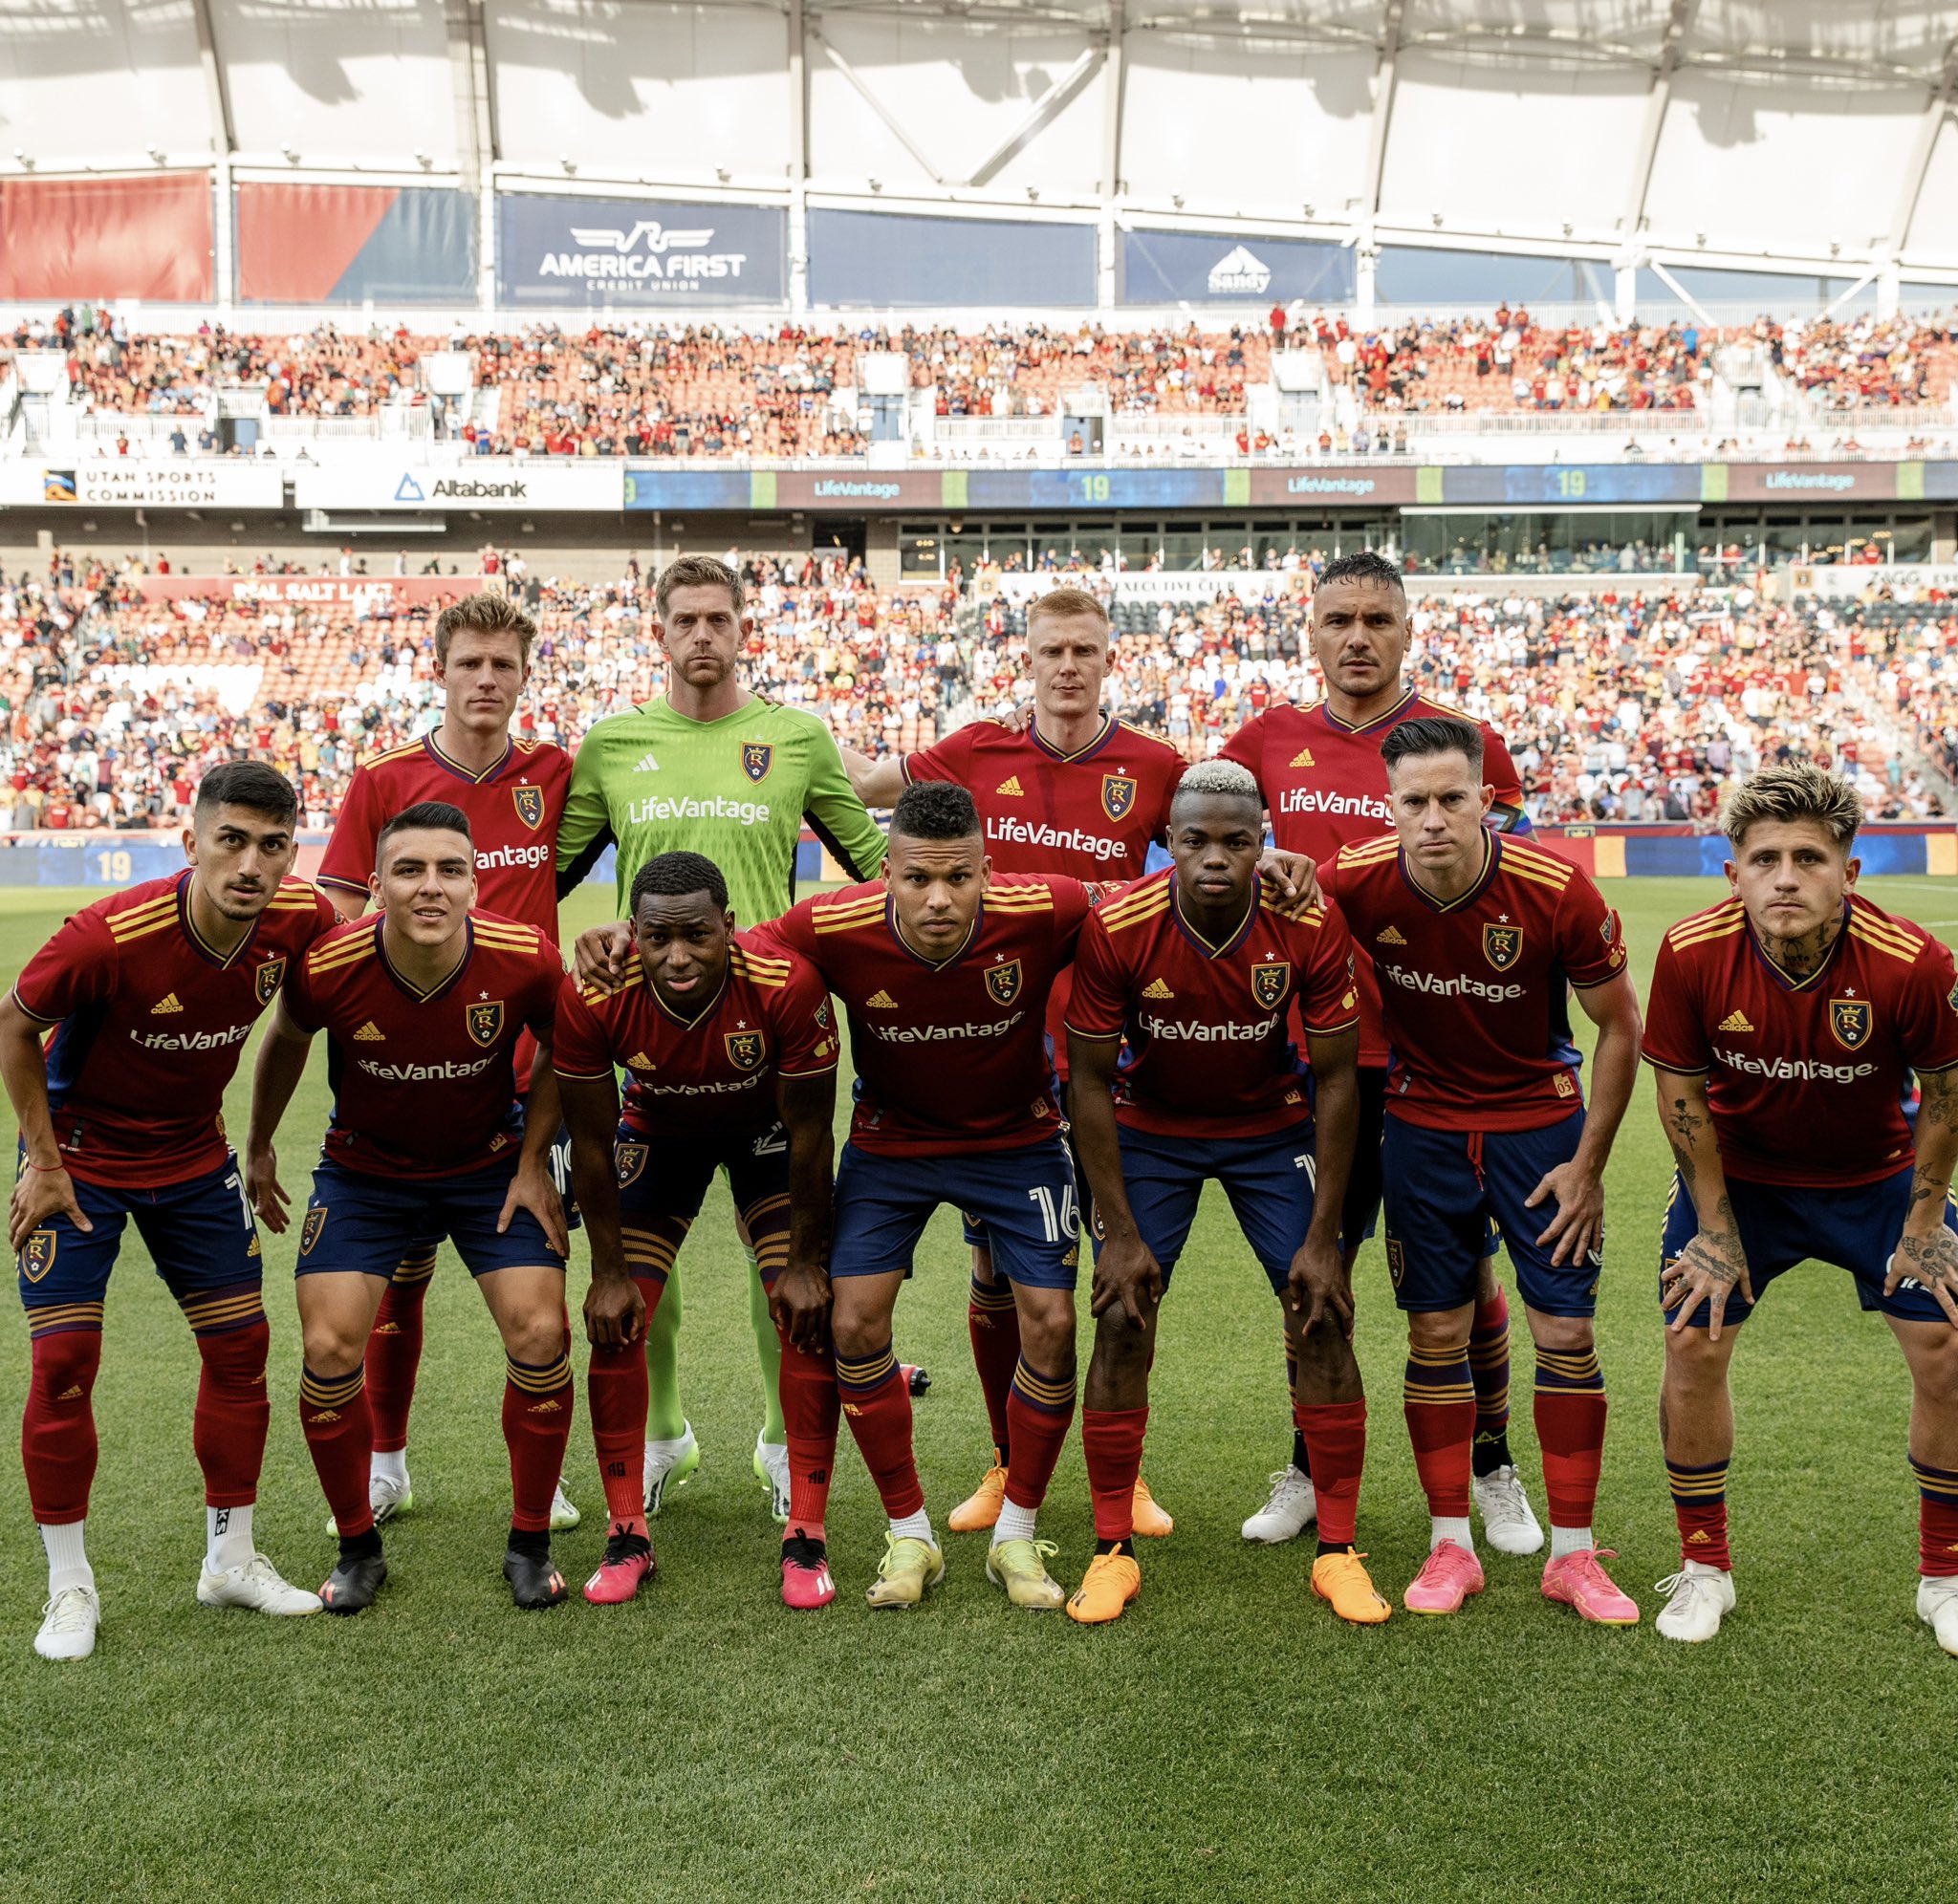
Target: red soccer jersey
<point>424,1083</point>
<point>152,1024</point>
<point>1472,992</point>
<point>1208,1054</point>
<point>713,1073</point>
<point>512,810</point>
<point>1325,787</point>
<point>1805,1080</point>
<point>949,1057</point>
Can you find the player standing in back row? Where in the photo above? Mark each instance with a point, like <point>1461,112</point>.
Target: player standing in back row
<point>1319,769</point>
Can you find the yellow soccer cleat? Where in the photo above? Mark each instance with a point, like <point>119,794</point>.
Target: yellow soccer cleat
<point>980,1510</point>
<point>907,1569</point>
<point>1149,1519</point>
<point>1342,1580</point>
<point>1112,1581</point>
<point>1020,1567</point>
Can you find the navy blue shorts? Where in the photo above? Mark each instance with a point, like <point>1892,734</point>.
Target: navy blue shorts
<point>667,1178</point>
<point>356,1221</point>
<point>1444,1189</point>
<point>199,1233</point>
<point>1025,1198</point>
<point>1782,1225</point>
<point>1269,1180</point>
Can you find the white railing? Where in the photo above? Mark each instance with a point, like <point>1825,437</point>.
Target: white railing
<point>977,429</point>
<point>1542,422</point>
<point>105,426</point>
<point>321,429</point>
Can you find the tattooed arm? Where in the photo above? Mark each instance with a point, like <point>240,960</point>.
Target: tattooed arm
<point>1713,1263</point>
<point>1928,1251</point>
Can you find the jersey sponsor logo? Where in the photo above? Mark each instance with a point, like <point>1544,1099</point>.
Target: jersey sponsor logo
<point>628,1160</point>
<point>1850,1019</point>
<point>1461,985</point>
<point>1156,988</point>
<point>1268,982</point>
<point>190,1041</point>
<point>488,856</point>
<point>718,1089</point>
<point>1303,758</point>
<point>1734,1021</point>
<point>1608,930</point>
<point>1356,806</point>
<point>1003,982</point>
<point>38,1257</point>
<point>822,1014</point>
<point>1388,935</point>
<point>1053,839</point>
<point>485,1020</point>
<point>744,1049</point>
<point>441,1074</point>
<point>1794,1071</point>
<point>164,1006</point>
<point>1011,787</point>
<point>1208,1030</point>
<point>309,1231</point>
<point>749,812</point>
<point>529,805</point>
<point>370,1033</point>
<point>1502,945</point>
<point>756,758</point>
<point>931,1034</point>
<point>880,1001</point>
<point>645,764</point>
<point>268,979</point>
<point>1118,795</point>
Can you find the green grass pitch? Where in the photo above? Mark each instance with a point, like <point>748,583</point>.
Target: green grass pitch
<point>1228,1739</point>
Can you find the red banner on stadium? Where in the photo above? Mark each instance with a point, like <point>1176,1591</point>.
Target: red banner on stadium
<point>306,590</point>
<point>101,238</point>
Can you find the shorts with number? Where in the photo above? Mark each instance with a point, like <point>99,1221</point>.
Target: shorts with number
<point>1855,1228</point>
<point>1269,1180</point>
<point>1025,1198</point>
<point>1444,1192</point>
<point>356,1221</point>
<point>199,1233</point>
<point>972,1225</point>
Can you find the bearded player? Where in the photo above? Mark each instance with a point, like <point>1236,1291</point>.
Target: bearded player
<point>1476,937</point>
<point>145,999</point>
<point>1077,791</point>
<point>1784,1025</point>
<point>512,793</point>
<point>1189,980</point>
<point>731,1055</point>
<point>424,1009</point>
<point>1319,767</point>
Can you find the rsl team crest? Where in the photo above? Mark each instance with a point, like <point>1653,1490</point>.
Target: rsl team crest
<point>1502,945</point>
<point>485,1020</point>
<point>309,1233</point>
<point>1268,984</point>
<point>1850,1019</point>
<point>268,979</point>
<point>38,1257</point>
<point>1118,795</point>
<point>529,805</point>
<point>745,1050</point>
<point>629,1159</point>
<point>1003,982</point>
<point>756,758</point>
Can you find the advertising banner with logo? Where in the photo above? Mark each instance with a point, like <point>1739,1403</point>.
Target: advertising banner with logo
<point>1815,482</point>
<point>881,259</point>
<point>588,253</point>
<point>1203,268</point>
<point>365,594</point>
<point>1249,586</point>
<point>1860,579</point>
<point>178,482</point>
<point>475,482</point>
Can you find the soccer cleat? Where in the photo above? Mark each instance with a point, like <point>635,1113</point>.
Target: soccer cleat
<point>629,1562</point>
<point>563,1513</point>
<point>68,1624</point>
<point>351,1586</point>
<point>386,1497</point>
<point>1341,1579</point>
<point>1702,1596</point>
<point>256,1585</point>
<point>1293,1506</point>
<point>1508,1524</point>
<point>1579,1581</point>
<point>1937,1606</point>
<point>980,1508</point>
<point>1020,1567</point>
<point>1111,1582</point>
<point>1447,1576</point>
<point>534,1581</point>
<point>668,1464</point>
<point>771,1469</point>
<point>806,1582</point>
<point>909,1565</point>
<point>1148,1518</point>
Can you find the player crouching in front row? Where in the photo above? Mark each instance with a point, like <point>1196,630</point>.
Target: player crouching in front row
<point>1197,976</point>
<point>422,1007</point>
<point>1785,1022</point>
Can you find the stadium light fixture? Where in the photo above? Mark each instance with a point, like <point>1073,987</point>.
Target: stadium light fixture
<point>722,173</point>
<point>877,185</point>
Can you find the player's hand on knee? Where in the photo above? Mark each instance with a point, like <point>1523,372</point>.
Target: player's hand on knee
<point>1711,1265</point>
<point>1577,1228</point>
<point>799,1303</point>
<point>615,1312</point>
<point>38,1195</point>
<point>1931,1262</point>
<point>1319,1289</point>
<point>1127,1273</point>
<point>532,1189</point>
<point>264,1191</point>
<point>603,955</point>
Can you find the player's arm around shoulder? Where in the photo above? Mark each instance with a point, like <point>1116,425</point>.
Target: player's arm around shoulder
<point>832,807</point>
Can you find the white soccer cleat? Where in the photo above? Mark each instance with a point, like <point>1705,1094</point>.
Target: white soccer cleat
<point>68,1624</point>
<point>1293,1506</point>
<point>386,1497</point>
<point>1508,1524</point>
<point>256,1585</point>
<point>1937,1606</point>
<point>563,1514</point>
<point>771,1470</point>
<point>668,1464</point>
<point>1702,1597</point>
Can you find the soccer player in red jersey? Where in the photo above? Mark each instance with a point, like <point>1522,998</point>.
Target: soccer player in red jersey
<point>1784,1025</point>
<point>512,793</point>
<point>1199,977</point>
<point>1474,936</point>
<point>1319,767</point>
<point>423,1007</point>
<point>150,995</point>
<point>1074,791</point>
<point>730,1052</point>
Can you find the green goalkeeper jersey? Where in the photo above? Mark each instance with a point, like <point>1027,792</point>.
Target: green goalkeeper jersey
<point>738,790</point>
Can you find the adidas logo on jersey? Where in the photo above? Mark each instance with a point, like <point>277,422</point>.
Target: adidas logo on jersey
<point>1302,758</point>
<point>646,764</point>
<point>1389,937</point>
<point>639,1061</point>
<point>1156,988</point>
<point>1011,788</point>
<point>1735,1020</point>
<point>167,1002</point>
<point>370,1033</point>
<point>880,1001</point>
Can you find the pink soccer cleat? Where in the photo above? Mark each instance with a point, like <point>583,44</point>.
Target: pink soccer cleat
<point>1579,1580</point>
<point>806,1582</point>
<point>629,1562</point>
<point>1447,1576</point>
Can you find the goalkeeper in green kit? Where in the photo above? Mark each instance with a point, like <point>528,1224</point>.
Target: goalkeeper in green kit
<point>710,768</point>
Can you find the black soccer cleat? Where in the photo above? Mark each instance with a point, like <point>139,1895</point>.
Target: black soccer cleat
<point>351,1586</point>
<point>534,1580</point>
